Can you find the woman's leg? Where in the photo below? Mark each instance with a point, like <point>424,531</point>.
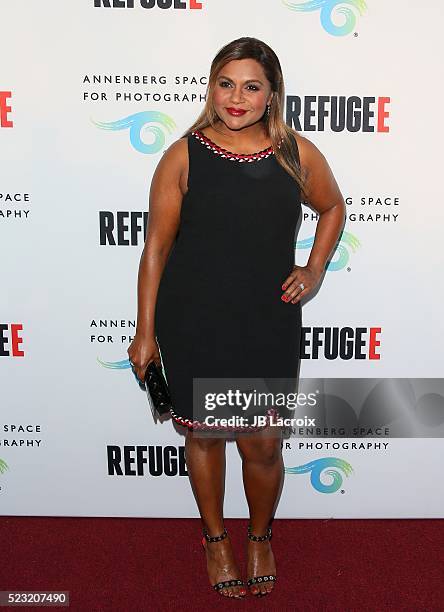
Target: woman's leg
<point>263,475</point>
<point>205,459</point>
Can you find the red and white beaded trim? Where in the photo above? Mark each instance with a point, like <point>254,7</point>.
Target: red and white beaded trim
<point>199,425</point>
<point>240,157</point>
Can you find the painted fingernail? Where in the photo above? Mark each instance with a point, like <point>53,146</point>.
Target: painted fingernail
<point>284,297</point>
<point>284,286</point>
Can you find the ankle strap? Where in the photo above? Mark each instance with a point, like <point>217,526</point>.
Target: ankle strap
<point>267,536</point>
<point>218,538</point>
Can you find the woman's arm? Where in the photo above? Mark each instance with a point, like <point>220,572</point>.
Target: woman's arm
<point>323,193</point>
<point>167,189</point>
<point>163,221</point>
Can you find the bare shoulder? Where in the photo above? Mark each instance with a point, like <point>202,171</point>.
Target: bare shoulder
<point>320,186</point>
<point>176,154</point>
<point>174,163</point>
<point>179,148</point>
<point>309,154</point>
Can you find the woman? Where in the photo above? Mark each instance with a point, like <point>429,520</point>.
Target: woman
<point>218,291</point>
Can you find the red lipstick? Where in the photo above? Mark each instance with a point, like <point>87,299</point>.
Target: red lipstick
<point>236,112</point>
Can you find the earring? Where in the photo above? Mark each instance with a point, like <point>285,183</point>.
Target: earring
<point>268,110</point>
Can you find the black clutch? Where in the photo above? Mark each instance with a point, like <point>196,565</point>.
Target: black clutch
<point>157,390</point>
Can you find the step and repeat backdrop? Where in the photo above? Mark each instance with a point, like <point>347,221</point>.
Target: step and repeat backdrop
<point>92,92</point>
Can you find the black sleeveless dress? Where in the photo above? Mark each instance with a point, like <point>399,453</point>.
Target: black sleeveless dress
<point>219,312</point>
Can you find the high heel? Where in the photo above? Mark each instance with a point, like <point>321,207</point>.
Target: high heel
<point>219,586</point>
<point>256,580</point>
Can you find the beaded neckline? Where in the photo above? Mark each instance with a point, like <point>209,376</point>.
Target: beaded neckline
<point>240,157</point>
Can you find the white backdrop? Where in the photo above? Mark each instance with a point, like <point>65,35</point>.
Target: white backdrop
<point>68,302</point>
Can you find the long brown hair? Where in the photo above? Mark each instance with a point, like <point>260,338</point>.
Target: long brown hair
<point>282,136</point>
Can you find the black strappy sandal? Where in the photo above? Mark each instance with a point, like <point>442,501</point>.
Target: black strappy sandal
<point>219,586</point>
<point>260,579</point>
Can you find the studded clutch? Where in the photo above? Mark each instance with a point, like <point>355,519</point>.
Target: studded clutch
<point>157,390</point>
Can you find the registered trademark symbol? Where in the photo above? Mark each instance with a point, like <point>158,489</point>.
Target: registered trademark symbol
<point>342,491</point>
<point>349,269</point>
<point>355,34</point>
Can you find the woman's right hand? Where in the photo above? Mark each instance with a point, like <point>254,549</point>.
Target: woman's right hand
<point>142,350</point>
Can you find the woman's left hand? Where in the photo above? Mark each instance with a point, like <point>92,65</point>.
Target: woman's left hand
<point>306,275</point>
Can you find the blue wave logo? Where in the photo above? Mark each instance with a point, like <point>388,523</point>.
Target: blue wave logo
<point>327,8</point>
<point>142,122</point>
<point>347,242</point>
<point>316,468</point>
<point>115,365</point>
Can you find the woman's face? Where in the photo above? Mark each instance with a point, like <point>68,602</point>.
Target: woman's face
<point>241,85</point>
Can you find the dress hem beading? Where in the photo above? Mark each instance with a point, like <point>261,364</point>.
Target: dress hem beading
<point>196,425</point>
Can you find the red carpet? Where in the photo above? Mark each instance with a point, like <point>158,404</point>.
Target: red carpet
<point>158,564</point>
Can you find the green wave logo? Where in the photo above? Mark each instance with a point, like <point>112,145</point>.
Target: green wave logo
<point>348,242</point>
<point>3,466</point>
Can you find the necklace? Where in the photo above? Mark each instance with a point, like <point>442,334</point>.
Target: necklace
<point>241,157</point>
